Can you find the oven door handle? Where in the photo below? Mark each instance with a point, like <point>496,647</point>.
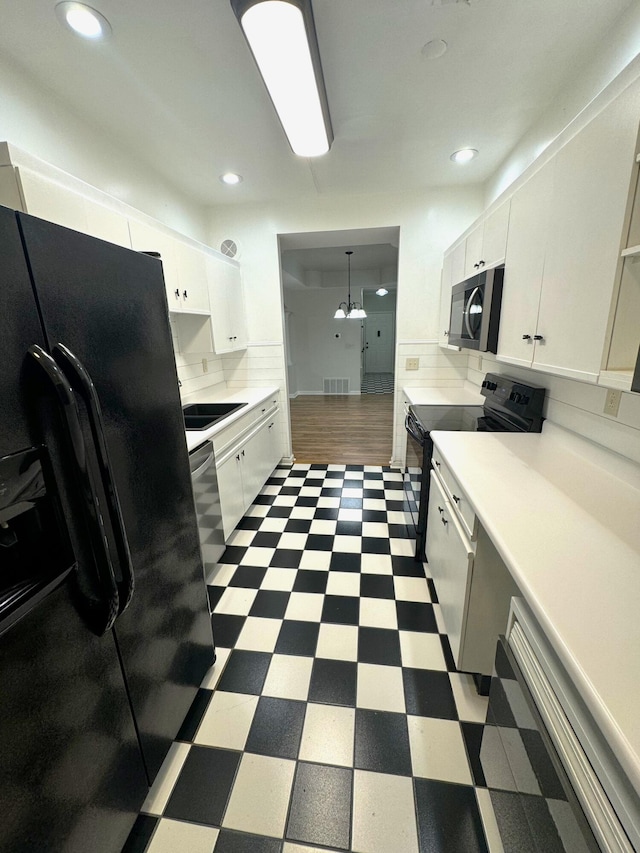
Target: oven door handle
<point>467,311</point>
<point>410,426</point>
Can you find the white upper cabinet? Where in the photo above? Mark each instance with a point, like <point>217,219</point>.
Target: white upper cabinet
<point>458,255</point>
<point>146,238</point>
<point>524,265</point>
<point>486,244</point>
<point>585,226</point>
<point>446,284</point>
<point>227,305</point>
<point>192,275</point>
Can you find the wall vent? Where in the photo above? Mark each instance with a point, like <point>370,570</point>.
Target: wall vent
<point>336,386</point>
<point>229,248</point>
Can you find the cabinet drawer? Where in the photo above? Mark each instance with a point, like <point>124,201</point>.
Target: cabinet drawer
<point>457,498</point>
<point>226,438</point>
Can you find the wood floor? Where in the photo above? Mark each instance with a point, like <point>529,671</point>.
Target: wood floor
<point>343,429</point>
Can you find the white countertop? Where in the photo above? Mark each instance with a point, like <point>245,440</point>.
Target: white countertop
<point>468,395</point>
<point>220,394</point>
<point>565,517</point>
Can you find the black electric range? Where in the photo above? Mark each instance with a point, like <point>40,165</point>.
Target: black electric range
<point>510,406</point>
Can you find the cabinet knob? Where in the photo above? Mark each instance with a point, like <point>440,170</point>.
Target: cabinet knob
<point>184,293</point>
<point>243,452</point>
<point>437,463</point>
<point>476,266</point>
<point>480,263</point>
<point>538,337</point>
<point>230,338</point>
<point>526,337</point>
<point>444,521</point>
<point>177,292</point>
<point>456,498</point>
<point>238,457</point>
<point>440,509</point>
<point>446,333</point>
<point>263,411</point>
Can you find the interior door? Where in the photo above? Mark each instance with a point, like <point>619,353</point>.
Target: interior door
<point>378,345</point>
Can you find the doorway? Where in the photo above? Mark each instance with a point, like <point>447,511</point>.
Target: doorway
<point>331,418</point>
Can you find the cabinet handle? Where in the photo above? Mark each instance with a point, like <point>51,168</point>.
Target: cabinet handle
<point>437,463</point>
<point>440,510</point>
<point>446,333</point>
<point>444,521</point>
<point>480,263</point>
<point>235,337</point>
<point>270,425</point>
<point>476,266</point>
<point>243,452</point>
<point>263,411</point>
<point>184,293</point>
<point>456,498</point>
<point>230,338</point>
<point>238,457</point>
<point>177,292</point>
<point>526,337</point>
<point>538,337</point>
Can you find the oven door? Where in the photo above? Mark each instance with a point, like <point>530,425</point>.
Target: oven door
<point>413,472</point>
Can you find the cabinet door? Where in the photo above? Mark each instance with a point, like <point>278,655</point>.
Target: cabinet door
<point>107,224</point>
<point>586,219</point>
<point>217,278</point>
<point>192,273</point>
<point>231,492</point>
<point>450,562</point>
<point>458,255</point>
<point>256,463</point>
<point>494,236</point>
<point>145,238</point>
<point>524,264</point>
<point>275,443</point>
<point>473,251</point>
<point>237,314</point>
<point>445,300</point>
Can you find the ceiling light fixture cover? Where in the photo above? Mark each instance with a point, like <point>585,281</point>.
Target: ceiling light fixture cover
<point>464,155</point>
<point>381,291</point>
<point>349,310</point>
<point>83,20</point>
<point>231,178</point>
<point>283,41</point>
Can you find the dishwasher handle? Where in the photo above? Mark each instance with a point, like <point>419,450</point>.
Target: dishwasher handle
<point>200,460</point>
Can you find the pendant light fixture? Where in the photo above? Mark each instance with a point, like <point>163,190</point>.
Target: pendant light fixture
<point>349,310</point>
<point>282,38</point>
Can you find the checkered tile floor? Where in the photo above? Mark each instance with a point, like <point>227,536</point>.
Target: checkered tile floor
<point>377,383</point>
<point>333,718</point>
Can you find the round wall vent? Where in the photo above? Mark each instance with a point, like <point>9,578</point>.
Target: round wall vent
<point>229,248</point>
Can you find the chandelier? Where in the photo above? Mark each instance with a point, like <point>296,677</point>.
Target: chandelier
<point>349,310</point>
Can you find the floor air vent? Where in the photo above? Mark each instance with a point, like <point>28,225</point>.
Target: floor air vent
<point>336,386</point>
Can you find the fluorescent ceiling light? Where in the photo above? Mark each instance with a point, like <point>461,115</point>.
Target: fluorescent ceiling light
<point>381,291</point>
<point>464,155</point>
<point>282,38</point>
<point>231,178</point>
<point>83,20</point>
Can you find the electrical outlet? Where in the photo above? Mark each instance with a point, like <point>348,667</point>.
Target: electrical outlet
<point>612,403</point>
<point>412,364</point>
<point>205,365</point>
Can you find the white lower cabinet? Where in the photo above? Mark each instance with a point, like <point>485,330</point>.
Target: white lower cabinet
<point>473,584</point>
<point>246,465</point>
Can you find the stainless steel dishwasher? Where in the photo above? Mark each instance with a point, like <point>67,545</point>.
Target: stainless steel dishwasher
<point>204,480</point>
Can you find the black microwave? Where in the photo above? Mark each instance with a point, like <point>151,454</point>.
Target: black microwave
<point>475,311</point>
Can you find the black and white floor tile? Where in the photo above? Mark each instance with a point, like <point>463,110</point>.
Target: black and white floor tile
<point>377,383</point>
<point>333,719</point>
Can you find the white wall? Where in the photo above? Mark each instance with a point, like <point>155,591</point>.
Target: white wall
<point>428,222</point>
<point>617,57</point>
<point>45,126</point>
<point>316,353</point>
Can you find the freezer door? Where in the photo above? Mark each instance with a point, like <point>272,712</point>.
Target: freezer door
<point>107,306</point>
<point>71,776</point>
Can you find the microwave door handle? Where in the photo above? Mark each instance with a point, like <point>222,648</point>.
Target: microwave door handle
<point>101,607</point>
<point>80,375</point>
<point>467,310</point>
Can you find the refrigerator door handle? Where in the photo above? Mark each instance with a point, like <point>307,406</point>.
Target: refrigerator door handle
<point>100,611</point>
<point>81,379</point>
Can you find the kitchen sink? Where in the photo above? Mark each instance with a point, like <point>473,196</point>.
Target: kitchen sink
<point>204,415</point>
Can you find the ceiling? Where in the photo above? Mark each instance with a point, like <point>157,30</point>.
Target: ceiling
<point>176,85</point>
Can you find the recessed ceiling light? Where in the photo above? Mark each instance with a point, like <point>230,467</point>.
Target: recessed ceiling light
<point>464,155</point>
<point>381,291</point>
<point>434,49</point>
<point>231,178</point>
<point>83,20</point>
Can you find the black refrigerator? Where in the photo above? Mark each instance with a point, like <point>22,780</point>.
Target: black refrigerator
<point>105,631</point>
